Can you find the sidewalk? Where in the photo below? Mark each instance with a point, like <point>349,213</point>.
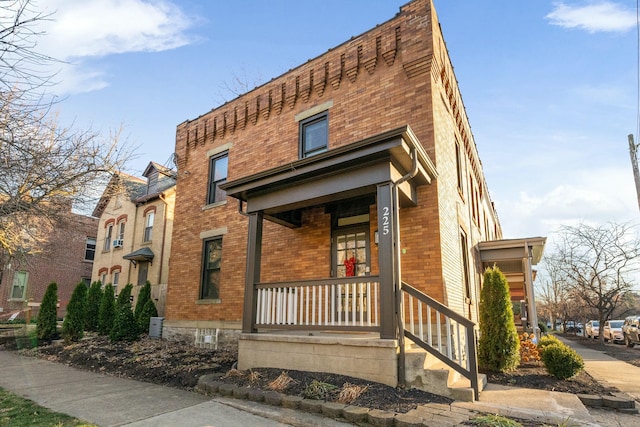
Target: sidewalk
<point>109,401</point>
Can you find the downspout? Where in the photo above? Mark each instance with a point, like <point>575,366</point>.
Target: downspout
<point>397,264</point>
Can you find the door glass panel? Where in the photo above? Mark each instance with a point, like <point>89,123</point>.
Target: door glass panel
<point>351,254</point>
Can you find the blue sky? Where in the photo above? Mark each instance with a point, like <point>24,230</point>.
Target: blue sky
<point>550,87</point>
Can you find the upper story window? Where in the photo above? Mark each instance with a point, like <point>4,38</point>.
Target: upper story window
<point>90,249</point>
<point>107,237</point>
<point>148,229</point>
<point>459,167</point>
<point>121,230</point>
<point>314,135</point>
<point>218,167</point>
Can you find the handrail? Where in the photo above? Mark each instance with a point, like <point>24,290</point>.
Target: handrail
<point>466,366</point>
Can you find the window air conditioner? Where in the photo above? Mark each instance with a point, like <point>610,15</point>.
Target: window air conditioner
<point>117,243</point>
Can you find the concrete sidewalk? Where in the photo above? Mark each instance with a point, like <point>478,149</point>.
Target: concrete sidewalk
<point>109,401</point>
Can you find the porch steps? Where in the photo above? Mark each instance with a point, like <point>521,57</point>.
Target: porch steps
<point>426,372</point>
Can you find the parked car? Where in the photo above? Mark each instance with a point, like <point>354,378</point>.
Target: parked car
<point>631,330</point>
<point>592,329</point>
<point>612,330</point>
<point>572,327</point>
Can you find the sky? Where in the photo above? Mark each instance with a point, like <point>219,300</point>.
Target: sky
<point>550,87</point>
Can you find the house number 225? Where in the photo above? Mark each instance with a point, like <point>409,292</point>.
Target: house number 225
<point>386,221</point>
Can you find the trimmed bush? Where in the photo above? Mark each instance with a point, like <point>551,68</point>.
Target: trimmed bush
<point>47,325</point>
<point>548,340</point>
<point>499,346</point>
<point>561,361</point>
<point>148,311</point>
<point>107,310</point>
<point>125,327</point>
<point>94,297</point>
<point>73,324</point>
<point>143,296</point>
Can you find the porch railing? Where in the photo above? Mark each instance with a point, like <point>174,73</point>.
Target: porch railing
<point>350,303</point>
<point>442,332</point>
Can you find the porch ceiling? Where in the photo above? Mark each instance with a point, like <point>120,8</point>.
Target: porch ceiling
<point>349,171</point>
<point>509,250</point>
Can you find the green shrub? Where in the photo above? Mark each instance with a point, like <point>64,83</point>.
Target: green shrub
<point>499,345</point>
<point>124,297</point>
<point>143,296</point>
<point>73,324</point>
<point>125,327</point>
<point>543,327</point>
<point>148,311</point>
<point>47,325</point>
<point>561,361</point>
<point>546,341</point>
<point>107,311</point>
<point>94,297</point>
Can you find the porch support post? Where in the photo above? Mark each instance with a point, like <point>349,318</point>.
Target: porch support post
<point>252,276</point>
<point>387,217</point>
<point>532,315</point>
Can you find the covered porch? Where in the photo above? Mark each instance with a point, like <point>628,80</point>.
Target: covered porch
<point>352,321</point>
<point>516,258</point>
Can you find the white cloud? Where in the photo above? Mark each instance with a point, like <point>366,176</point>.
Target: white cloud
<point>594,196</point>
<point>80,30</point>
<point>593,17</point>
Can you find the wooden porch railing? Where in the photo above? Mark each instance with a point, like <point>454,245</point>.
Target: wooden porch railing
<point>440,331</point>
<point>350,303</point>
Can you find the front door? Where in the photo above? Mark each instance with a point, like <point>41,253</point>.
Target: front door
<point>351,258</point>
<point>143,269</point>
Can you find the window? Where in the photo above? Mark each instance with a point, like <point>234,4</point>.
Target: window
<point>103,278</point>
<point>148,229</point>
<point>19,288</point>
<point>121,230</point>
<point>107,237</point>
<point>218,167</point>
<point>314,135</point>
<point>90,249</point>
<point>459,167</point>
<point>86,281</point>
<point>211,269</point>
<point>116,279</point>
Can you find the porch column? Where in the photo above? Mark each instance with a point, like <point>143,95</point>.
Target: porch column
<point>252,276</point>
<point>387,217</point>
<point>528,280</point>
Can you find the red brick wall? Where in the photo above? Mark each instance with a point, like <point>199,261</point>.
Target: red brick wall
<point>61,261</point>
<point>376,82</point>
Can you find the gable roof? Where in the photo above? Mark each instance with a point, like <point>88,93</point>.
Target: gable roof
<point>120,183</point>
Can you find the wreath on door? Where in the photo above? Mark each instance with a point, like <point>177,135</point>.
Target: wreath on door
<point>350,266</point>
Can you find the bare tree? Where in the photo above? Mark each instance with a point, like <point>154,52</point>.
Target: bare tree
<point>598,263</point>
<point>44,168</point>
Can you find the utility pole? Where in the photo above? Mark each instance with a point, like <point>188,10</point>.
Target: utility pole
<point>633,150</point>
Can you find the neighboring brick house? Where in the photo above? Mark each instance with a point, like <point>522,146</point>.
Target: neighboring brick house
<point>134,233</point>
<point>308,203</point>
<point>65,257</point>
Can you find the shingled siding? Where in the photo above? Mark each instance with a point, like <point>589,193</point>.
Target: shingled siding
<point>376,82</point>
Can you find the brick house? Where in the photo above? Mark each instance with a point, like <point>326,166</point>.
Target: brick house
<point>315,207</point>
<point>65,256</point>
<point>134,232</point>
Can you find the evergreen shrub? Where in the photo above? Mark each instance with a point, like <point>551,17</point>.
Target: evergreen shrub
<point>107,310</point>
<point>94,297</point>
<point>47,324</point>
<point>499,345</point>
<point>73,324</point>
<point>148,311</point>
<point>561,361</point>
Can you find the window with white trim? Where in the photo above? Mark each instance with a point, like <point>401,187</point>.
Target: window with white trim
<point>19,287</point>
<point>148,229</point>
